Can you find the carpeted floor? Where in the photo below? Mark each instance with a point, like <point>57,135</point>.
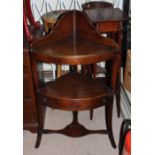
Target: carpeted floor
<point>56,144</point>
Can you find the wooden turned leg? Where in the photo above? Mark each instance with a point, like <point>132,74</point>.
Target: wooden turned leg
<point>39,137</point>
<point>91,114</point>
<point>118,94</point>
<point>58,71</point>
<point>75,117</point>
<point>83,70</point>
<point>46,27</point>
<point>108,115</point>
<point>73,68</point>
<point>40,126</point>
<point>94,72</point>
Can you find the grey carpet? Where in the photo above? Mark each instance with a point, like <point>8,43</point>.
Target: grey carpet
<point>55,144</point>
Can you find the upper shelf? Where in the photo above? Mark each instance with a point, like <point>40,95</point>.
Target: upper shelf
<point>74,40</point>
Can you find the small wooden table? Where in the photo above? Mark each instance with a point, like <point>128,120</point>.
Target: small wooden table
<point>50,18</point>
<point>75,41</point>
<point>108,20</point>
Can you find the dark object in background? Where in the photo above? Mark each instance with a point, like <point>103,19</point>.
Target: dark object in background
<point>125,138</point>
<point>96,4</point>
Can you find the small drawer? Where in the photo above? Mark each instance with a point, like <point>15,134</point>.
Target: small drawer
<point>108,27</point>
<point>72,105</point>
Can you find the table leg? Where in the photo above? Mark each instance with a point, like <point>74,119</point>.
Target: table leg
<point>118,94</point>
<point>58,71</point>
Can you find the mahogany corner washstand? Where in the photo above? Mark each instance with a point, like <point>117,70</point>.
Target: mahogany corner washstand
<point>75,41</point>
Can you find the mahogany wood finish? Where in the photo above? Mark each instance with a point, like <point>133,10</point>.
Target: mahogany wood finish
<point>71,97</point>
<point>109,20</point>
<point>74,41</point>
<point>31,33</point>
